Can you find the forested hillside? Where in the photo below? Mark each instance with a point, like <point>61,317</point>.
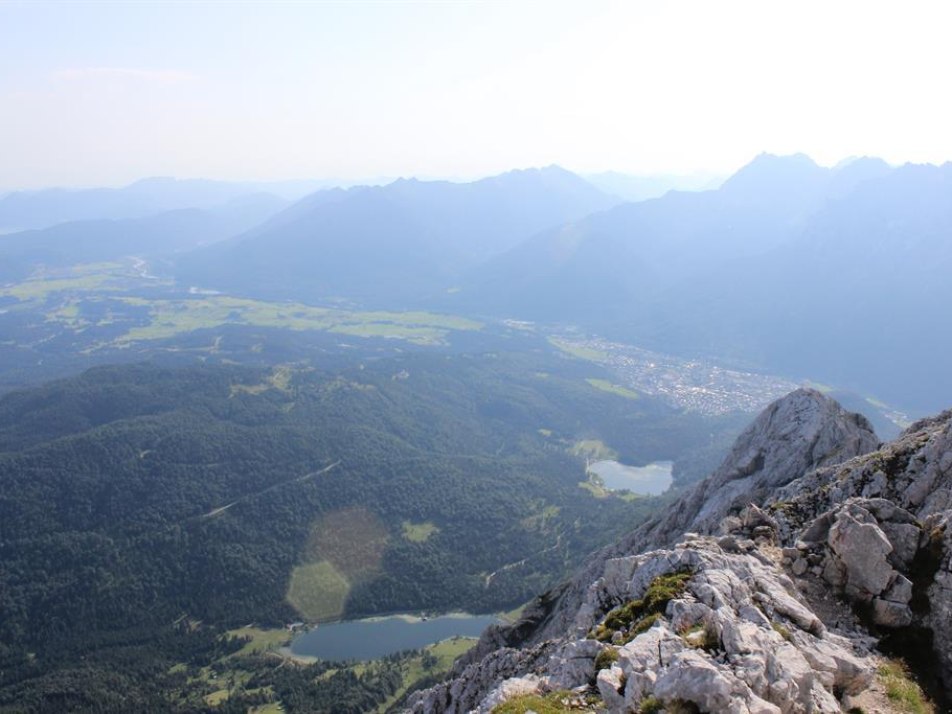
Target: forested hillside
<point>137,497</point>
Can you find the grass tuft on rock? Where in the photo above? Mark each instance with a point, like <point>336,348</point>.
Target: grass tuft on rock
<point>782,631</point>
<point>702,636</point>
<point>902,689</point>
<point>606,658</point>
<point>561,702</point>
<point>637,616</point>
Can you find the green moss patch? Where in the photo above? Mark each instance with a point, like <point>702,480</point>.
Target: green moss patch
<point>637,616</point>
<point>169,318</point>
<point>554,703</point>
<point>902,689</point>
<point>593,449</point>
<point>259,639</point>
<point>606,658</point>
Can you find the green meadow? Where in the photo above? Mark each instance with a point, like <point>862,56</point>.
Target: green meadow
<point>61,297</point>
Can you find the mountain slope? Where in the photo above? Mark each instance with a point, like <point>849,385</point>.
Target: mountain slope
<point>131,496</point>
<point>396,242</point>
<point>23,210</point>
<point>787,267</point>
<point>732,622</point>
<point>820,304</point>
<point>642,187</point>
<point>611,265</point>
<point>95,241</point>
<point>792,436</point>
<point>878,530</point>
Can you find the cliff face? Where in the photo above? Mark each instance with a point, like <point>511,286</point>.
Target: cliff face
<point>792,436</point>
<point>875,532</point>
<point>764,589</point>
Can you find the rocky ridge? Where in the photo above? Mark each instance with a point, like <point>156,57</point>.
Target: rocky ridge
<point>875,531</point>
<point>723,605</point>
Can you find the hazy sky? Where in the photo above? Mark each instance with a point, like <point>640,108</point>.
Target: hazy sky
<point>104,93</point>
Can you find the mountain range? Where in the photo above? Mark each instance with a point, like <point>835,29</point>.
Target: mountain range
<point>400,242</point>
<point>787,266</point>
<point>64,245</point>
<point>380,399</point>
<point>636,251</point>
<point>22,210</point>
<point>632,187</point>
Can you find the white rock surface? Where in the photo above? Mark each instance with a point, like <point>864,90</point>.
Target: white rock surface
<point>851,526</point>
<point>764,650</point>
<point>880,525</point>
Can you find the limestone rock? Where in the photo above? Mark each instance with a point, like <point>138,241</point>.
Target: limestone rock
<point>862,548</point>
<point>799,566</point>
<point>611,685</point>
<point>891,614</point>
<point>873,524</point>
<point>513,687</point>
<point>881,523</point>
<point>736,638</point>
<point>794,435</point>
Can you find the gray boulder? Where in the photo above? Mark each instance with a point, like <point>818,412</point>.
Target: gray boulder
<point>880,524</point>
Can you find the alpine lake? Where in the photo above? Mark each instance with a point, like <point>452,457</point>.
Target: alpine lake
<point>650,480</point>
<point>380,636</point>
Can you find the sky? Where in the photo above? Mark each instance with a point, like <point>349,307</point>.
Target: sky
<point>104,93</point>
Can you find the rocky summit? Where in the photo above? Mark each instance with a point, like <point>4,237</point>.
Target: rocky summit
<point>778,584</point>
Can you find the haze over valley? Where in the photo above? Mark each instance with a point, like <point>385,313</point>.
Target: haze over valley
<point>450,357</point>
<point>696,275</point>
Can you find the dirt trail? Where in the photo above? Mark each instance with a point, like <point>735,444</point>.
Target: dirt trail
<point>221,509</point>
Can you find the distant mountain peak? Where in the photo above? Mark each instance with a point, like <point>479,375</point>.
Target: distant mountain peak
<point>402,241</point>
<point>850,173</point>
<point>797,158</point>
<point>854,161</point>
<point>769,174</point>
<point>531,172</point>
<point>555,169</point>
<point>775,162</point>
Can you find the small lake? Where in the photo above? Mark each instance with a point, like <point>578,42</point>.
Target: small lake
<point>650,480</point>
<point>378,637</point>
